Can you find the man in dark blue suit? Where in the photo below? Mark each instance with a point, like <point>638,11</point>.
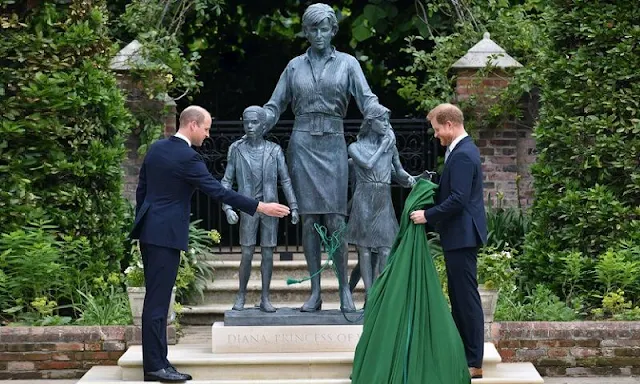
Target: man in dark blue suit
<point>459,217</point>
<point>169,175</point>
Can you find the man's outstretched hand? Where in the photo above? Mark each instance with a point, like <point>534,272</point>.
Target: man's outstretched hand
<point>273,209</point>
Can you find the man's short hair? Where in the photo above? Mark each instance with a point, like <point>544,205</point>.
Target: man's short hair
<point>262,113</point>
<point>193,113</point>
<point>446,112</point>
<point>316,13</point>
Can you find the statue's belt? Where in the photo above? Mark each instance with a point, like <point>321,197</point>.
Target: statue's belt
<point>318,124</point>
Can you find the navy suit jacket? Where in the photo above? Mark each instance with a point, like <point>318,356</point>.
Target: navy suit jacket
<point>459,215</point>
<point>169,175</point>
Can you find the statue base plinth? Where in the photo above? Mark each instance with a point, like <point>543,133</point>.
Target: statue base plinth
<point>284,338</point>
<point>291,316</point>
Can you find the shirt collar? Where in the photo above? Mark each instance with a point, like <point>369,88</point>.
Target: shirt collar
<point>183,137</point>
<point>332,55</point>
<point>456,141</point>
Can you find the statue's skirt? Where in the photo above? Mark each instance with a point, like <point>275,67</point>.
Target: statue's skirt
<point>318,165</point>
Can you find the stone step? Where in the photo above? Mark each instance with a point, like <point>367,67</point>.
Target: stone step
<point>516,373</point>
<point>224,291</point>
<point>297,268</point>
<point>207,314</point>
<point>113,375</point>
<point>234,253</point>
<point>202,364</point>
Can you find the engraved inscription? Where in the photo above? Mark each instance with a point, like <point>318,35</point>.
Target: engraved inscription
<point>293,338</point>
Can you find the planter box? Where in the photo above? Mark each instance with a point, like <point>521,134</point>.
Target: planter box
<point>136,302</point>
<point>489,298</point>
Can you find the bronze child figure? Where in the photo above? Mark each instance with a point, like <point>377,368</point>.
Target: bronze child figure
<point>255,165</point>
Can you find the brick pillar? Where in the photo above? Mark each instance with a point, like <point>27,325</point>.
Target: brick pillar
<point>136,100</point>
<point>507,150</point>
<point>170,116</point>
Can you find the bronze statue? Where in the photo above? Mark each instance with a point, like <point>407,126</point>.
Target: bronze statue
<point>255,164</point>
<point>319,85</point>
<point>372,223</point>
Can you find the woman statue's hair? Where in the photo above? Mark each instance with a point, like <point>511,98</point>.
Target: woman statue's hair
<point>316,13</point>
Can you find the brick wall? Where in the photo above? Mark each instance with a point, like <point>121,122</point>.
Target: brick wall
<point>571,348</point>
<point>507,150</point>
<point>63,352</point>
<point>137,100</point>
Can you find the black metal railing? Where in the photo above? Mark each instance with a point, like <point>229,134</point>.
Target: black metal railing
<point>416,145</point>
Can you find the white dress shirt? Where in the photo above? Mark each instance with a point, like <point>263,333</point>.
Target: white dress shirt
<point>183,137</point>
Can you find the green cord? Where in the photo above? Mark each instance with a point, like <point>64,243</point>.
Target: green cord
<point>331,245</point>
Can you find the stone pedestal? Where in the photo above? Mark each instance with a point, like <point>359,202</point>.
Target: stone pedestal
<point>291,316</point>
<point>284,339</point>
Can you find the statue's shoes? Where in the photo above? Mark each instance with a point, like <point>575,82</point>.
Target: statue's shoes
<point>265,306</point>
<point>312,307</point>
<point>239,304</point>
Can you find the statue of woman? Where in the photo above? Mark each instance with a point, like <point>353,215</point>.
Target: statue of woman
<point>319,85</point>
<point>372,221</point>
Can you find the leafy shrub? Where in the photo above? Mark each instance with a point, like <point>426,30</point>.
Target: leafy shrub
<point>66,121</point>
<point>587,175</point>
<point>506,226</point>
<point>107,308</point>
<point>194,272</point>
<point>538,305</point>
<point>495,268</point>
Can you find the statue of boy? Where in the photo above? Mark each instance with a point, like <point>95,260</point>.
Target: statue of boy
<point>255,164</point>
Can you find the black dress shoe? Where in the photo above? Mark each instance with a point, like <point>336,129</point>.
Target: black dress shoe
<point>164,376</point>
<point>174,370</point>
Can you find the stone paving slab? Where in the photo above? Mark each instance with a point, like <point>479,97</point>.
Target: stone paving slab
<point>547,380</point>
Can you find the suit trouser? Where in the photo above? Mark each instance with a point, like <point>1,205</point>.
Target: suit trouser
<point>160,271</point>
<point>466,306</point>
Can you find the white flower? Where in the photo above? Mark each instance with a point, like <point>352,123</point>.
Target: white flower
<point>192,251</point>
<point>128,270</point>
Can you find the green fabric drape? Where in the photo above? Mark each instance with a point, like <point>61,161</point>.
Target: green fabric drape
<point>409,336</point>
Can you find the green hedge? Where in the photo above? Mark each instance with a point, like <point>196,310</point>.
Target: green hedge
<point>587,175</point>
<point>62,132</point>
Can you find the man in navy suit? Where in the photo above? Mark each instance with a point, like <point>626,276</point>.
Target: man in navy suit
<point>169,175</point>
<point>459,217</point>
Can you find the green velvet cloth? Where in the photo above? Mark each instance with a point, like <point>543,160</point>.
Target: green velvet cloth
<point>409,336</point>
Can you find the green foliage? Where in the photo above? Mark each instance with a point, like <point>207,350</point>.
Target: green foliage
<point>134,273</point>
<point>541,304</point>
<point>194,261</point>
<point>194,272</point>
<point>106,308</point>
<point>453,28</point>
<point>495,269</point>
<point>615,306</point>
<point>65,120</point>
<point>587,175</point>
<point>163,70</point>
<point>506,226</point>
<point>29,258</point>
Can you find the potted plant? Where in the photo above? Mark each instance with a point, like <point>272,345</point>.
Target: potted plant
<point>194,272</point>
<point>495,273</point>
<point>134,278</point>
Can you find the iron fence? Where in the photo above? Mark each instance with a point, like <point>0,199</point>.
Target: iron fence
<point>416,145</point>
